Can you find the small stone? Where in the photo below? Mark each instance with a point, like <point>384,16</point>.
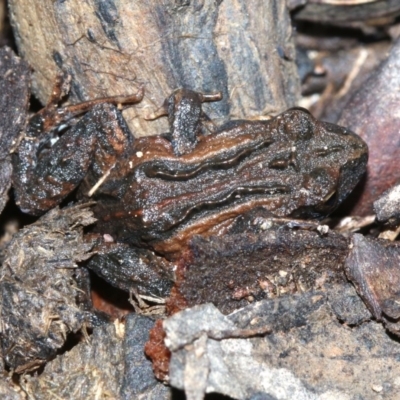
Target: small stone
<point>377,388</point>
<point>108,238</point>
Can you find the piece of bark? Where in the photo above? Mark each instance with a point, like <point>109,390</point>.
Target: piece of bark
<point>261,258</point>
<point>387,207</point>
<point>372,113</point>
<point>14,97</point>
<point>374,268</point>
<point>5,181</point>
<point>157,352</point>
<point>293,311</point>
<point>39,288</point>
<point>338,74</point>
<point>14,89</point>
<point>89,371</point>
<point>380,11</point>
<point>312,357</point>
<point>113,47</point>
<point>139,380</point>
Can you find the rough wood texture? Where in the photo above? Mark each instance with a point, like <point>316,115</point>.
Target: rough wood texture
<point>338,13</point>
<point>372,112</point>
<point>111,47</point>
<point>14,95</point>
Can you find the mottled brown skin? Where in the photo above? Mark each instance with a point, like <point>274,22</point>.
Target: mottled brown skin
<point>160,191</point>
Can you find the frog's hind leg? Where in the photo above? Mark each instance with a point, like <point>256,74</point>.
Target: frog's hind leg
<point>44,176</point>
<point>133,269</point>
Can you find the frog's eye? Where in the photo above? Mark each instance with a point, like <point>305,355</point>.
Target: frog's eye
<point>300,109</point>
<point>328,150</point>
<point>299,124</point>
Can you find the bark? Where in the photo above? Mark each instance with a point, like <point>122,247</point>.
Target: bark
<point>325,11</point>
<point>372,112</point>
<point>113,47</point>
<point>14,90</point>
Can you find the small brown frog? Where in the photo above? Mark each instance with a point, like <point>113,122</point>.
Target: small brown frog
<point>158,192</point>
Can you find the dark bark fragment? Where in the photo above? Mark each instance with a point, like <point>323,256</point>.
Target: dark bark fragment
<point>347,13</point>
<point>266,259</point>
<point>338,73</point>
<point>293,311</point>
<point>347,305</point>
<point>38,290</point>
<point>139,379</point>
<point>374,268</point>
<point>387,207</point>
<point>372,113</point>
<point>14,96</point>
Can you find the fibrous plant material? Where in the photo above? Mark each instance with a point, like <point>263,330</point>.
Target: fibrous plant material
<point>112,366</point>
<point>39,288</point>
<point>89,371</point>
<point>8,391</point>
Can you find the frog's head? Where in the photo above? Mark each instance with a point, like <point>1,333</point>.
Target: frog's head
<point>185,116</point>
<point>327,155</point>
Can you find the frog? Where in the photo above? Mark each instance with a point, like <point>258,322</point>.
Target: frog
<point>154,194</point>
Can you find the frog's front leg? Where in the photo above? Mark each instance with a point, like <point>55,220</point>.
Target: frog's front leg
<point>185,117</point>
<point>45,172</point>
<point>53,117</point>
